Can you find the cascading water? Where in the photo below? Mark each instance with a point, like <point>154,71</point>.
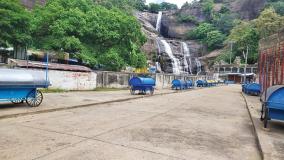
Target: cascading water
<point>198,64</point>
<point>187,58</point>
<point>175,62</point>
<point>159,21</point>
<point>165,47</point>
<point>158,67</point>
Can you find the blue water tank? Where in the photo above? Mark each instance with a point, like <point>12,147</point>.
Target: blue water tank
<point>252,88</point>
<point>142,81</point>
<point>189,83</point>
<point>200,83</point>
<point>275,97</point>
<point>178,82</point>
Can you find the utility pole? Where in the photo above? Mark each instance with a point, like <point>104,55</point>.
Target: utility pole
<point>231,42</point>
<point>246,62</point>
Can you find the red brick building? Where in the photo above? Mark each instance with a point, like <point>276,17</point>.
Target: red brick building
<point>271,60</point>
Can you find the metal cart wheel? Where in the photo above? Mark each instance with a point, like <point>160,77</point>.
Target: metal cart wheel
<point>132,91</point>
<point>17,101</point>
<point>34,101</point>
<point>262,112</point>
<point>266,118</point>
<point>152,92</point>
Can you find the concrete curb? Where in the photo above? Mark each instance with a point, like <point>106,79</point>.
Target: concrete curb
<point>93,104</point>
<point>84,105</point>
<point>256,134</point>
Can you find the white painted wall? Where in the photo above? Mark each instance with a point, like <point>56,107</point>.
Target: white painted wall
<point>67,80</point>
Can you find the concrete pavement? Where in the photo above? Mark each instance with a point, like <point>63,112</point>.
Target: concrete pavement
<point>271,140</point>
<point>62,101</point>
<point>211,123</point>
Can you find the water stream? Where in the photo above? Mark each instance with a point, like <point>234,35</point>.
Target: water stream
<point>159,21</point>
<point>177,68</point>
<point>175,62</point>
<point>187,58</point>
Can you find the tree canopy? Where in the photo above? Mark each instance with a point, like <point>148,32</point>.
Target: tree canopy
<point>14,24</point>
<point>242,36</point>
<point>155,7</point>
<point>91,32</point>
<point>208,35</point>
<point>269,22</point>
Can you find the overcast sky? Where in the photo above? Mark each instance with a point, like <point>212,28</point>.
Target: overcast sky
<point>178,2</point>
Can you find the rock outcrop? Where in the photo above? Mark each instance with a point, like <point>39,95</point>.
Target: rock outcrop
<point>168,46</point>
<point>187,63</point>
<point>247,9</point>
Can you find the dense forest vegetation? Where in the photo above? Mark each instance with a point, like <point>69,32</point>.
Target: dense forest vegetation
<point>223,28</point>
<point>101,33</point>
<point>105,34</point>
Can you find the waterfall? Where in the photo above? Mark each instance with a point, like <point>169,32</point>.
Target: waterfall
<point>159,21</point>
<point>175,62</point>
<point>187,58</point>
<point>198,64</point>
<point>158,67</point>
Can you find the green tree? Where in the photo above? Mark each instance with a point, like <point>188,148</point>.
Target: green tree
<point>89,31</point>
<point>126,5</point>
<point>269,22</point>
<point>207,7</point>
<point>141,60</point>
<point>201,31</point>
<point>140,4</point>
<point>182,18</point>
<point>14,24</point>
<point>245,35</point>
<point>214,39</point>
<point>224,22</point>
<point>111,60</point>
<point>278,5</point>
<point>168,6</point>
<point>154,7</point>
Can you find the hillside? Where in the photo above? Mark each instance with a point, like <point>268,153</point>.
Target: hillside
<point>173,39</point>
<point>212,26</point>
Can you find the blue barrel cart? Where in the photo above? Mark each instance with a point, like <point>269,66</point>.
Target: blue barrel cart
<point>252,89</point>
<point>201,83</point>
<point>189,84</point>
<point>142,84</point>
<point>243,87</point>
<point>179,84</point>
<point>19,86</point>
<point>210,83</point>
<point>272,104</point>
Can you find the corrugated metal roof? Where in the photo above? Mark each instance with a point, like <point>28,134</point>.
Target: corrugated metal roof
<point>52,66</point>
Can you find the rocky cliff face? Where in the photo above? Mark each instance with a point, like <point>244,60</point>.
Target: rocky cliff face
<point>168,45</point>
<point>186,58</point>
<point>173,54</point>
<point>148,21</point>
<point>247,9</point>
<point>171,28</point>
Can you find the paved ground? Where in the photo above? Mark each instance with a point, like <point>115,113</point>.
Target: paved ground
<point>202,124</point>
<point>54,101</point>
<point>271,140</point>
